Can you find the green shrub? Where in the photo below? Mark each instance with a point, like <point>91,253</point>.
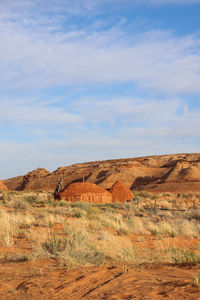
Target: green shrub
<point>54,245</point>
<point>83,205</point>
<point>30,198</point>
<point>183,256</point>
<point>78,214</point>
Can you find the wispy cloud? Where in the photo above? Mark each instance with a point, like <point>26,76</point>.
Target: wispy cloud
<point>20,114</point>
<point>36,8</point>
<point>46,45</point>
<point>174,2</point>
<point>33,58</point>
<point>107,129</point>
<point>38,50</point>
<point>86,116</point>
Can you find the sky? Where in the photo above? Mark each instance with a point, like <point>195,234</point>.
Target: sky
<point>87,80</point>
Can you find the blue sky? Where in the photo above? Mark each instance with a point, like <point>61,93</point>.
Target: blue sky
<point>90,80</point>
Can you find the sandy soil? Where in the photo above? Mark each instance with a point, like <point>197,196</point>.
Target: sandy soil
<point>45,280</point>
<point>48,279</point>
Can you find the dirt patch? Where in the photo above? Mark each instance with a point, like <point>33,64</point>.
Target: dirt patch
<point>117,251</point>
<point>46,281</point>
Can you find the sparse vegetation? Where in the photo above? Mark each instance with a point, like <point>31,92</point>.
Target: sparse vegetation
<point>55,245</point>
<point>181,256</point>
<point>69,235</point>
<point>93,234</point>
<point>196,279</point>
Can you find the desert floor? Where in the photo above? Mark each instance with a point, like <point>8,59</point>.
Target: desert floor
<point>57,250</point>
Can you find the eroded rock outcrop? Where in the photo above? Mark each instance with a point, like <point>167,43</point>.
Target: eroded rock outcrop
<point>3,187</point>
<point>160,173</point>
<point>30,179</point>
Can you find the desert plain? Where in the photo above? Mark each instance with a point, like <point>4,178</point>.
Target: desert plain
<point>144,248</point>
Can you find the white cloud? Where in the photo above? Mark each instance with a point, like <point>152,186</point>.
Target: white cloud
<point>150,2</point>
<point>20,114</point>
<point>51,153</point>
<point>143,118</point>
<point>90,113</point>
<point>37,55</point>
<point>130,110</point>
<point>40,49</point>
<point>35,8</point>
<point>162,2</point>
<point>136,127</point>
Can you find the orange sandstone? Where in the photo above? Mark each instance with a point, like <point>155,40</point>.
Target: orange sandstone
<point>3,187</point>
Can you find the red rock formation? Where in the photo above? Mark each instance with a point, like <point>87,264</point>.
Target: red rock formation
<point>84,192</point>
<point>159,173</point>
<point>3,187</point>
<point>31,178</point>
<point>120,192</point>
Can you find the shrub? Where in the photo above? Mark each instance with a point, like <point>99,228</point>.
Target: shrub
<point>188,228</point>
<point>194,214</point>
<point>54,245</point>
<point>18,204</point>
<point>196,279</point>
<point>183,256</point>
<point>119,249</point>
<point>78,214</point>
<point>83,205</point>
<point>30,198</point>
<point>76,248</point>
<point>7,229</point>
<point>16,258</point>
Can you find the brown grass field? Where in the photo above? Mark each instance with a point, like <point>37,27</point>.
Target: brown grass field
<point>148,248</point>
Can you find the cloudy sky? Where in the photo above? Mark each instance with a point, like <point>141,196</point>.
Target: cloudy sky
<point>90,80</point>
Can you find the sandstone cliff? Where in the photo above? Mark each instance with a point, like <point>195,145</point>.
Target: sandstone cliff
<point>3,187</point>
<point>175,173</point>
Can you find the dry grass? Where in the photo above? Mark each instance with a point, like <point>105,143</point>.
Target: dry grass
<point>8,228</point>
<point>82,233</point>
<point>118,249</point>
<point>196,279</point>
